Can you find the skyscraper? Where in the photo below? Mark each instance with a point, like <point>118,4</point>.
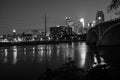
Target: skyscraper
<point>69,23</point>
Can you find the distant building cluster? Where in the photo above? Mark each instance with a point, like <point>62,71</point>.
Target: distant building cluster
<point>72,30</point>
<point>78,27</point>
<point>56,33</point>
<point>61,32</point>
<point>23,37</point>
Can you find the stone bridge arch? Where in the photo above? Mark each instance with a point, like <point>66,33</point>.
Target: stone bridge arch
<point>111,36</point>
<point>103,30</point>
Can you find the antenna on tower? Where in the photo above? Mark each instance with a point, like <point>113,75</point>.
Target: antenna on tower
<point>45,24</point>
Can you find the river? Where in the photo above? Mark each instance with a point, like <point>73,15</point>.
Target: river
<point>28,62</point>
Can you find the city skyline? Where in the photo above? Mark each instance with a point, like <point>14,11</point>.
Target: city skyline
<point>25,15</point>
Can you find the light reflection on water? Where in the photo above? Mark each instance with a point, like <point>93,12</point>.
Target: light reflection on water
<point>83,54</point>
<point>14,54</point>
<point>50,54</point>
<point>36,58</point>
<point>5,56</point>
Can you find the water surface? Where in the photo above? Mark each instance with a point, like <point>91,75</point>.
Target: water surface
<point>28,62</point>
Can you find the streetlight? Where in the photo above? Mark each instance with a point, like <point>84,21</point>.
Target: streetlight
<point>99,18</point>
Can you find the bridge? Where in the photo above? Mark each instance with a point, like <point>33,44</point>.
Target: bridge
<point>105,33</point>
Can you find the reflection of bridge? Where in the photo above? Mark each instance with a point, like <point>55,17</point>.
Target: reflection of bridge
<point>104,33</point>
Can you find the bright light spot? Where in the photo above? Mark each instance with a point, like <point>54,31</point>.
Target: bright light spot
<point>24,49</point>
<point>95,60</point>
<point>6,52</point>
<point>33,39</point>
<point>14,54</point>
<point>19,39</point>
<point>102,61</point>
<point>5,58</point>
<point>58,25</point>
<point>82,21</point>
<point>4,40</point>
<point>49,38</point>
<point>67,18</point>
<point>93,23</point>
<point>41,39</point>
<point>83,54</point>
<point>14,31</point>
<point>99,18</point>
<point>88,24</point>
<point>15,40</point>
<point>33,48</point>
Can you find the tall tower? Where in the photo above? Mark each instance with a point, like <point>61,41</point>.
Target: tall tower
<point>68,20</point>
<point>99,17</point>
<point>69,23</point>
<point>45,25</point>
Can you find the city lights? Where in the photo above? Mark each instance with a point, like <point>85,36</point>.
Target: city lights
<point>88,24</point>
<point>67,18</point>
<point>93,23</point>
<point>82,21</point>
<point>14,30</point>
<point>58,25</point>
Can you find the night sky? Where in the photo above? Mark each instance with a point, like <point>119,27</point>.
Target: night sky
<point>25,15</point>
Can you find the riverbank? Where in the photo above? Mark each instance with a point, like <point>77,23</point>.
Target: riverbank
<point>70,72</point>
<point>38,42</point>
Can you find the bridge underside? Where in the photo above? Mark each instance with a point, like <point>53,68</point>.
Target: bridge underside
<point>112,36</point>
<point>106,33</point>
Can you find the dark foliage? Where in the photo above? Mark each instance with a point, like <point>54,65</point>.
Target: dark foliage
<point>114,5</point>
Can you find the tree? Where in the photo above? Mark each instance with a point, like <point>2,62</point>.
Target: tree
<point>114,7</point>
